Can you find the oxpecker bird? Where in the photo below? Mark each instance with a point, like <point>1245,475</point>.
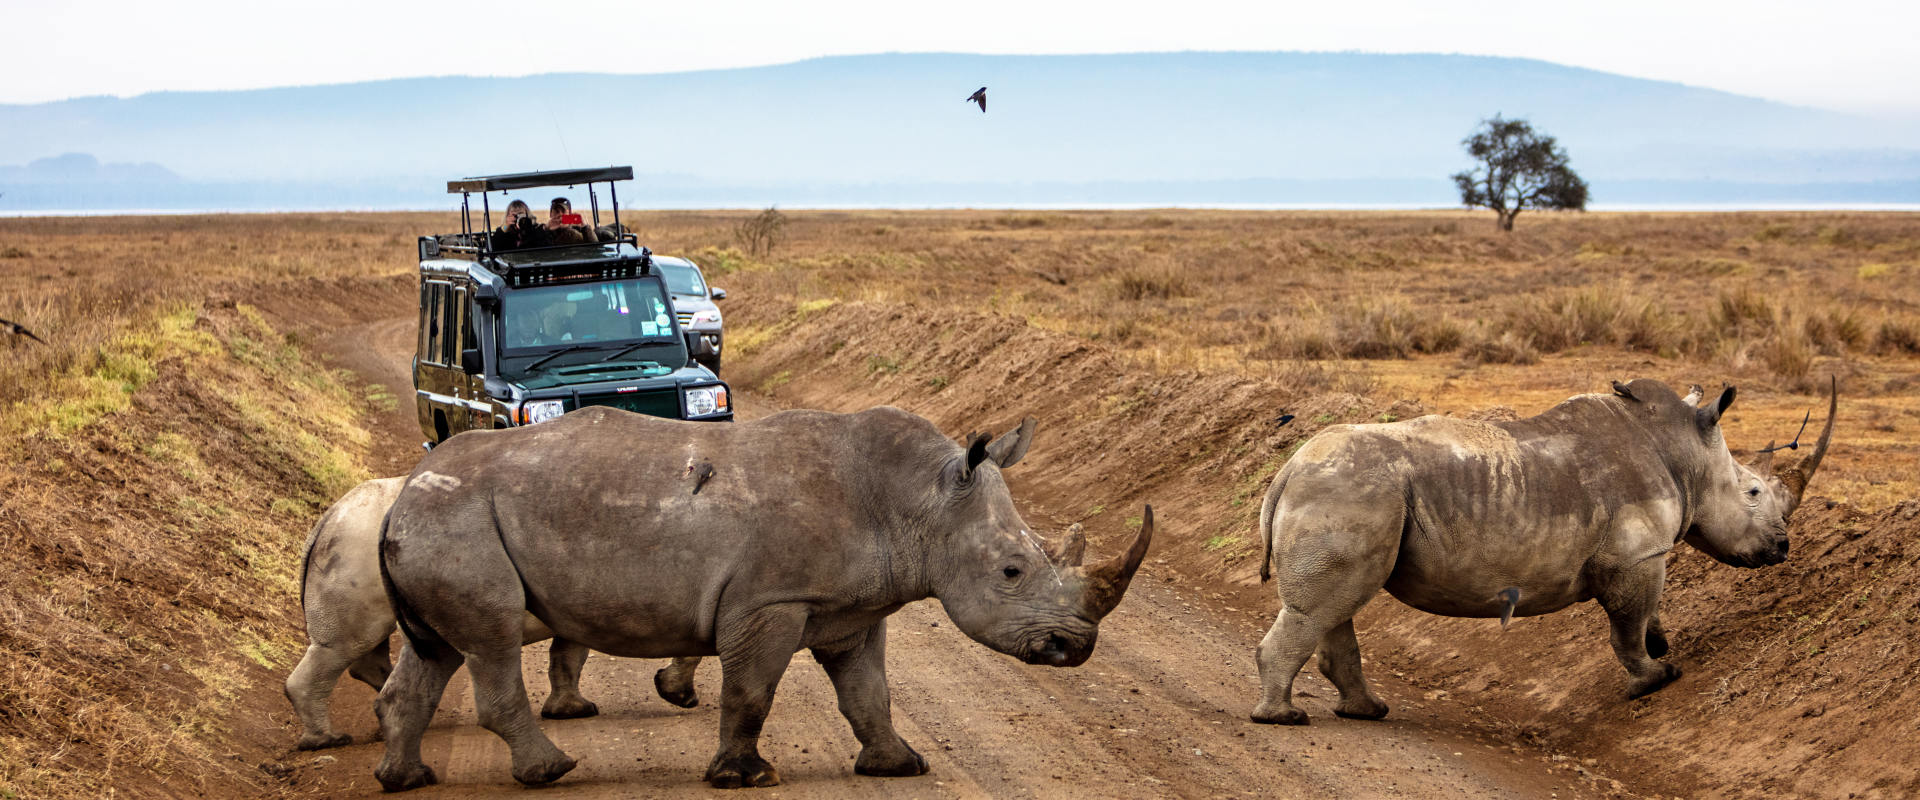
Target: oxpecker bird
<point>16,329</point>
<point>979,97</point>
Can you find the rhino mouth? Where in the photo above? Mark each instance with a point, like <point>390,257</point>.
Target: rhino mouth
<point>1056,650</point>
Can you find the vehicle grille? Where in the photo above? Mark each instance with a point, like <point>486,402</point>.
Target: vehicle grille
<point>686,318</point>
<point>658,403</point>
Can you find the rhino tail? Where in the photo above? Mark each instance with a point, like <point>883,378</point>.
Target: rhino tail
<point>306,554</point>
<point>421,637</point>
<point>1267,508</point>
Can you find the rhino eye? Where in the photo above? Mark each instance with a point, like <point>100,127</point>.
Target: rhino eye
<point>1011,572</point>
<point>1753,492</point>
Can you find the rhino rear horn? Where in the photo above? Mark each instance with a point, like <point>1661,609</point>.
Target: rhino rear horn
<point>1072,549</point>
<point>1107,581</point>
<point>1797,476</point>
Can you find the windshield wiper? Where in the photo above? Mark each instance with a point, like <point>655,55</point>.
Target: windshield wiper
<point>636,346</point>
<point>575,348</point>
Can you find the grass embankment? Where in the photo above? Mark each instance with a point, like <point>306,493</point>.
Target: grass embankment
<point>163,459</point>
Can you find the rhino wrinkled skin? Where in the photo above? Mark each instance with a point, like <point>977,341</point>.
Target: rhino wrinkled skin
<point>349,623</point>
<point>1473,519</point>
<point>809,529</point>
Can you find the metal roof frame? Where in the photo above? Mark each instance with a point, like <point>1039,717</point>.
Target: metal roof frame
<point>529,180</point>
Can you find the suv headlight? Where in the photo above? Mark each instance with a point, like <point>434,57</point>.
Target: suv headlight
<point>706,400</point>
<point>704,317</point>
<point>540,411</point>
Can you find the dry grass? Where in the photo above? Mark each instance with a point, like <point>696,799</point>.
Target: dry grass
<point>165,454</point>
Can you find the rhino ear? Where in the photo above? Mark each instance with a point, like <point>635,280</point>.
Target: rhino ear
<point>1012,446</point>
<point>976,453</point>
<point>1709,415</point>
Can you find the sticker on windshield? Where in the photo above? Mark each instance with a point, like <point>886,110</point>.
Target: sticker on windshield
<point>649,329</point>
<point>660,320</point>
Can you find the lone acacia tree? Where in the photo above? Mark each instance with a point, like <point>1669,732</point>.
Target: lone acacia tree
<point>1519,169</point>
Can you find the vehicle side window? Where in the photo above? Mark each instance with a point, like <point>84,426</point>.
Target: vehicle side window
<point>468,340</point>
<point>432,326</point>
<point>426,313</point>
<point>450,331</point>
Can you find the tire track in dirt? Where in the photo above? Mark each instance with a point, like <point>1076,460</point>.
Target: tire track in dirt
<point>1158,711</point>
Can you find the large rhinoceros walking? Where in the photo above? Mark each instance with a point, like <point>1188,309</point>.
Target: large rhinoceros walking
<point>349,623</point>
<point>643,537</point>
<point>1487,519</point>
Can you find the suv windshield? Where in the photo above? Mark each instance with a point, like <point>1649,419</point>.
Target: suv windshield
<point>611,315</point>
<point>681,280</point>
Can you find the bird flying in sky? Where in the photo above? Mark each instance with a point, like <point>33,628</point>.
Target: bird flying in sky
<point>979,97</point>
<point>16,329</point>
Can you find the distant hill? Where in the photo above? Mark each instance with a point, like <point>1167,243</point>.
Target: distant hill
<point>1361,127</point>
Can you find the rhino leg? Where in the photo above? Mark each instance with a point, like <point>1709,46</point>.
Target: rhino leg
<point>1632,603</point>
<point>500,697</point>
<point>564,661</point>
<point>754,654</point>
<point>1340,663</point>
<point>1656,638</point>
<point>859,674</point>
<point>309,687</point>
<point>674,682</point>
<point>405,707</point>
<point>1327,570</point>
<point>373,667</point>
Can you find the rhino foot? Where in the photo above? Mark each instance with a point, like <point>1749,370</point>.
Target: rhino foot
<point>313,741</point>
<point>1288,716</point>
<point>682,696</point>
<point>576,708</point>
<point>901,763</point>
<point>1366,709</point>
<point>742,772</point>
<point>404,778</point>
<point>1642,687</point>
<point>544,771</point>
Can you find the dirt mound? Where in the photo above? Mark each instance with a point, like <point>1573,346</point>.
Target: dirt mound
<point>1800,678</point>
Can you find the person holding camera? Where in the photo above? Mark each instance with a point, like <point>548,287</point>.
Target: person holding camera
<point>520,230</point>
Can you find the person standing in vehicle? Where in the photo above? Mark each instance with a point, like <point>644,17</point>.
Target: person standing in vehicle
<point>562,229</point>
<point>520,230</point>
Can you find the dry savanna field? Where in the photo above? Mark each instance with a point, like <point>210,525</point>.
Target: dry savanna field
<point>163,456</point>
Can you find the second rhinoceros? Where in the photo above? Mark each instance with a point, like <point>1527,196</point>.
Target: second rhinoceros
<point>644,537</point>
<point>1491,519</point>
<point>349,623</point>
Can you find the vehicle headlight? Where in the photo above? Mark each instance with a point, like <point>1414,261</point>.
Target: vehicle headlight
<point>703,317</point>
<point>541,410</point>
<point>706,400</point>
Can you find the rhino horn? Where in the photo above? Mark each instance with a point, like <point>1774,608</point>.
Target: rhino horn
<point>1072,549</point>
<point>1107,581</point>
<point>1797,476</point>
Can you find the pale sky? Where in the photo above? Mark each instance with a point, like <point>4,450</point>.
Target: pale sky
<point>1850,55</point>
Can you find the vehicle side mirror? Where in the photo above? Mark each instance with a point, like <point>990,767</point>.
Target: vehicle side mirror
<point>470,362</point>
<point>719,294</point>
<point>697,346</point>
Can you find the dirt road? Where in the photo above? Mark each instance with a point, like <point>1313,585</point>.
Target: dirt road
<point>1159,711</point>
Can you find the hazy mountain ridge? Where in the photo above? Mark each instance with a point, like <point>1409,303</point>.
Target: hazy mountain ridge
<point>899,120</point>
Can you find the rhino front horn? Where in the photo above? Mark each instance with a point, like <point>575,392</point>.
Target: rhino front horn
<point>1797,476</point>
<point>1107,581</point>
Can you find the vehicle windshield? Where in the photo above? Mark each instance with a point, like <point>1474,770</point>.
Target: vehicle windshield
<point>681,279</point>
<point>598,317</point>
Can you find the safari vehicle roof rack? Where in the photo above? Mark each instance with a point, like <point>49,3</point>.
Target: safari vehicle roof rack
<point>477,244</point>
